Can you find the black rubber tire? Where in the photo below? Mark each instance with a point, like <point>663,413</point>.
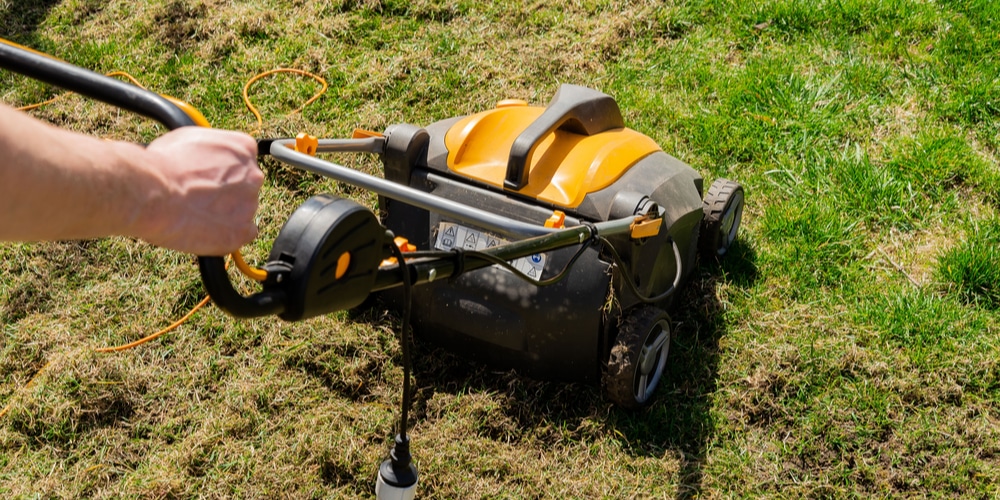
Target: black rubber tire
<point>633,372</point>
<point>723,212</point>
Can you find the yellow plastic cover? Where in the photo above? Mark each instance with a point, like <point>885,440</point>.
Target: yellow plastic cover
<point>565,166</point>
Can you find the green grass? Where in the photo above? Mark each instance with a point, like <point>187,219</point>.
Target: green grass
<point>971,270</point>
<point>846,348</point>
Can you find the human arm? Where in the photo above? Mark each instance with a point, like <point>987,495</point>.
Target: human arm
<point>193,189</point>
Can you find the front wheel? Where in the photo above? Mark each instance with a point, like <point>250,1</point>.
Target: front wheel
<point>638,358</point>
<point>723,212</point>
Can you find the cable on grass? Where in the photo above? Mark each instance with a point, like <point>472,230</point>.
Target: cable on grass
<point>6,407</point>
<point>253,109</point>
<point>153,336</point>
<point>246,269</point>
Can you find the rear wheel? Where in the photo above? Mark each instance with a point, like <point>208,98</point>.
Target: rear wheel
<point>723,213</point>
<point>638,357</point>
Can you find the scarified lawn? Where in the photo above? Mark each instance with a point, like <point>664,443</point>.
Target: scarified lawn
<point>847,347</point>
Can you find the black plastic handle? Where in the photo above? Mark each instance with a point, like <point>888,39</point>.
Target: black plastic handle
<point>574,108</point>
<point>151,105</point>
<point>220,288</point>
<point>93,85</point>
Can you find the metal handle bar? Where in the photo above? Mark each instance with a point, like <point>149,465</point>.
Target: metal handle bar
<point>428,270</point>
<point>282,150</point>
<point>579,109</point>
<point>364,145</point>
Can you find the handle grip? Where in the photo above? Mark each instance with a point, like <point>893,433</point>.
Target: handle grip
<point>108,90</point>
<point>93,85</point>
<point>574,108</point>
<point>220,288</point>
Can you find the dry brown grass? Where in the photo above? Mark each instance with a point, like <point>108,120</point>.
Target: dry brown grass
<point>800,368</point>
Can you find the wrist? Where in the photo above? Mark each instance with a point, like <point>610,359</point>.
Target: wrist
<point>144,191</point>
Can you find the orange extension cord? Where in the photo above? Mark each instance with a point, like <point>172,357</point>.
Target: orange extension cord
<point>256,114</point>
<point>246,269</point>
<point>6,408</point>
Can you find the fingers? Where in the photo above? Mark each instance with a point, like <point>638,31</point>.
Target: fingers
<point>214,184</point>
<point>219,245</point>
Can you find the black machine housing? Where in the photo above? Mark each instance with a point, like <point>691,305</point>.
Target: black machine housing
<point>559,332</point>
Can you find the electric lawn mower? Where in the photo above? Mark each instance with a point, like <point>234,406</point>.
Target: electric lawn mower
<point>552,240</point>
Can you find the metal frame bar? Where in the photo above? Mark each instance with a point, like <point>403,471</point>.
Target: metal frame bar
<point>283,151</point>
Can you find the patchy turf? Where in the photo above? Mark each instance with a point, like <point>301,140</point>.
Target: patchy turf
<point>847,346</point>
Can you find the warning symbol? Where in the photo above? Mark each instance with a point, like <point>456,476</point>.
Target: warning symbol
<point>450,236</point>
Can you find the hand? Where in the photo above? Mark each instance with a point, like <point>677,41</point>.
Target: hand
<point>207,194</point>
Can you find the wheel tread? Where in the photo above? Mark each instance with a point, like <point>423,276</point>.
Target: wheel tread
<point>622,361</point>
<point>716,200</point>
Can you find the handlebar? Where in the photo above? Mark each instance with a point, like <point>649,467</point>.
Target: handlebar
<point>173,115</point>
<point>576,111</point>
<point>96,86</point>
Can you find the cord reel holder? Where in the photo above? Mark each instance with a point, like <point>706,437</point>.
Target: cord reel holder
<point>326,257</point>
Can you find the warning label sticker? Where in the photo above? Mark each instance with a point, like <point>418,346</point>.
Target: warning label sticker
<point>451,235</point>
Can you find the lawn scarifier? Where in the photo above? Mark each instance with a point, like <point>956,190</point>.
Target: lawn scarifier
<point>554,238</point>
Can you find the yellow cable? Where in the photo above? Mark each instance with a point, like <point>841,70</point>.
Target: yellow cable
<point>92,468</point>
<point>256,114</point>
<point>26,386</point>
<point>250,272</point>
<point>172,326</point>
<point>147,338</point>
<point>128,76</point>
<point>130,345</point>
<point>253,273</point>
<point>40,104</point>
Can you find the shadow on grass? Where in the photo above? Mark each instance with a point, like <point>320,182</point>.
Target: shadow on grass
<point>682,419</point>
<point>19,21</point>
<point>679,423</point>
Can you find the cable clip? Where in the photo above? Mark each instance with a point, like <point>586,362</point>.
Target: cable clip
<point>305,143</point>
<point>557,220</point>
<point>404,246</point>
